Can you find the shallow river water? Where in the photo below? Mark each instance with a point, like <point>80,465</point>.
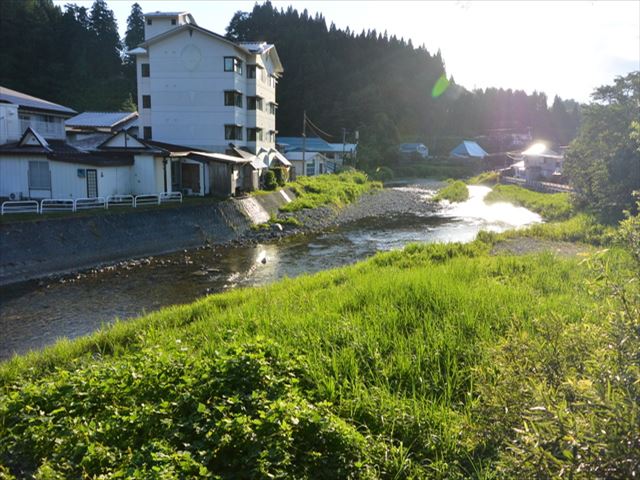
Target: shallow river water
<point>35,314</point>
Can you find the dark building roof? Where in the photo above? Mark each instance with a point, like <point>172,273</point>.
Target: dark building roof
<point>32,103</point>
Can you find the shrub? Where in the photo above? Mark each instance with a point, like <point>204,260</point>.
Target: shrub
<point>270,181</point>
<point>485,178</point>
<point>383,174</point>
<point>282,175</point>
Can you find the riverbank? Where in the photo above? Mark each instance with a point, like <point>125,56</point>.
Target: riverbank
<point>438,360</point>
<point>58,246</point>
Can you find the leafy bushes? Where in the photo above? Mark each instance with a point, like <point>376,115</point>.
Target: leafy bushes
<point>282,175</point>
<point>383,174</point>
<point>270,181</point>
<point>551,206</point>
<point>173,414</point>
<point>456,191</point>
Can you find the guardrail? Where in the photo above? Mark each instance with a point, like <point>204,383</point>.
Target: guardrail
<point>536,185</point>
<point>57,205</point>
<point>48,205</point>
<point>171,197</point>
<point>120,201</point>
<point>89,203</point>
<point>150,199</point>
<point>20,206</point>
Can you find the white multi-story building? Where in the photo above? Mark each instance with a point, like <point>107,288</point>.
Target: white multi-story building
<point>200,89</point>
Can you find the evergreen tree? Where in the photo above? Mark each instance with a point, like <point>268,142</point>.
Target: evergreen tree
<point>135,28</point>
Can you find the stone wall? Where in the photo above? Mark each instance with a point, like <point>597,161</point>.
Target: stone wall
<point>44,247</point>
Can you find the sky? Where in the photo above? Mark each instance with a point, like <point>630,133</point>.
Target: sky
<point>565,48</point>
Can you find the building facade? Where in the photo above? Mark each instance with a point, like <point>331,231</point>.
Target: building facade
<point>200,89</point>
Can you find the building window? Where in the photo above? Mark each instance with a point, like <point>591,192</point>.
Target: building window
<point>146,133</point>
<point>254,103</point>
<point>251,71</point>
<point>149,22</point>
<point>232,98</point>
<point>146,101</point>
<point>173,21</point>
<point>232,132</point>
<point>233,64</point>
<point>271,136</point>
<point>146,70</point>
<point>272,108</point>
<point>254,134</point>
<point>39,176</point>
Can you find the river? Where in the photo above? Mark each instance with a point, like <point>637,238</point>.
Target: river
<point>35,314</point>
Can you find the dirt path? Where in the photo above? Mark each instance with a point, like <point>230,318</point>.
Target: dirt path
<point>526,245</point>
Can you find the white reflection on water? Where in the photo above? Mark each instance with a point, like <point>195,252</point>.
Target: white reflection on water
<point>494,215</point>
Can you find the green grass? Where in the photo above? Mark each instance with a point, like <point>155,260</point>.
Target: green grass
<point>439,361</point>
<point>455,191</point>
<point>334,190</point>
<point>551,206</point>
<point>485,178</point>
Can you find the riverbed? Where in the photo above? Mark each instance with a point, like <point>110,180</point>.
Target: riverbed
<point>35,314</point>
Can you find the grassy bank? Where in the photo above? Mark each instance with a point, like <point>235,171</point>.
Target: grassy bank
<point>439,361</point>
<point>455,191</point>
<point>334,190</point>
<point>552,206</point>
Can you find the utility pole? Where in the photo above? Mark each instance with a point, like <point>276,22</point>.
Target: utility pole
<point>304,141</point>
<point>344,140</point>
<point>355,152</point>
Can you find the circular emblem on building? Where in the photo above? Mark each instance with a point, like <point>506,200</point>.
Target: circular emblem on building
<point>191,57</point>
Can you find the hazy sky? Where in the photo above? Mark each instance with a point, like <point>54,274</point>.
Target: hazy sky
<point>565,48</point>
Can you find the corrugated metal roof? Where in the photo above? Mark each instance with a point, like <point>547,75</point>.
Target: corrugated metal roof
<point>164,14</point>
<point>468,149</point>
<point>100,119</point>
<point>292,144</point>
<point>27,101</point>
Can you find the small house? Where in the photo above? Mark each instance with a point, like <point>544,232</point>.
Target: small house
<point>314,163</point>
<point>541,163</point>
<point>411,150</point>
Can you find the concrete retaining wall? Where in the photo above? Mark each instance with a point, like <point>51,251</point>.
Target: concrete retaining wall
<point>49,246</point>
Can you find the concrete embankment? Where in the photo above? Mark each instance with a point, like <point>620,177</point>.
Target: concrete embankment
<point>45,247</point>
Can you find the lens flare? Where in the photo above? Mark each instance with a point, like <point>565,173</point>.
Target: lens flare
<point>441,86</point>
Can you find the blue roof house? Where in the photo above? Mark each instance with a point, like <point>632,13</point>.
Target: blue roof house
<point>468,149</point>
<point>417,148</point>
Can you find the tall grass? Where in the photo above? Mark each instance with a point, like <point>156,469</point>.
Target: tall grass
<point>552,206</point>
<point>334,190</point>
<point>396,367</point>
<point>455,191</point>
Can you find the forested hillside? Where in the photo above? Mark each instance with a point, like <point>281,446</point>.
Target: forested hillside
<point>378,84</point>
<point>383,85</point>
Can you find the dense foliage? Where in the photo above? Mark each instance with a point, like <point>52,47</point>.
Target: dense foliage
<point>72,56</point>
<point>603,162</point>
<point>439,361</point>
<point>455,191</point>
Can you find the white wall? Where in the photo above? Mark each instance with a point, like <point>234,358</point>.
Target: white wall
<point>187,83</point>
<point>9,123</point>
<point>14,175</point>
<point>144,177</point>
<point>65,182</point>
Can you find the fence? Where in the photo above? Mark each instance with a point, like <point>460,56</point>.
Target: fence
<point>20,206</point>
<point>49,205</point>
<point>537,186</point>
<point>57,205</point>
<point>89,203</point>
